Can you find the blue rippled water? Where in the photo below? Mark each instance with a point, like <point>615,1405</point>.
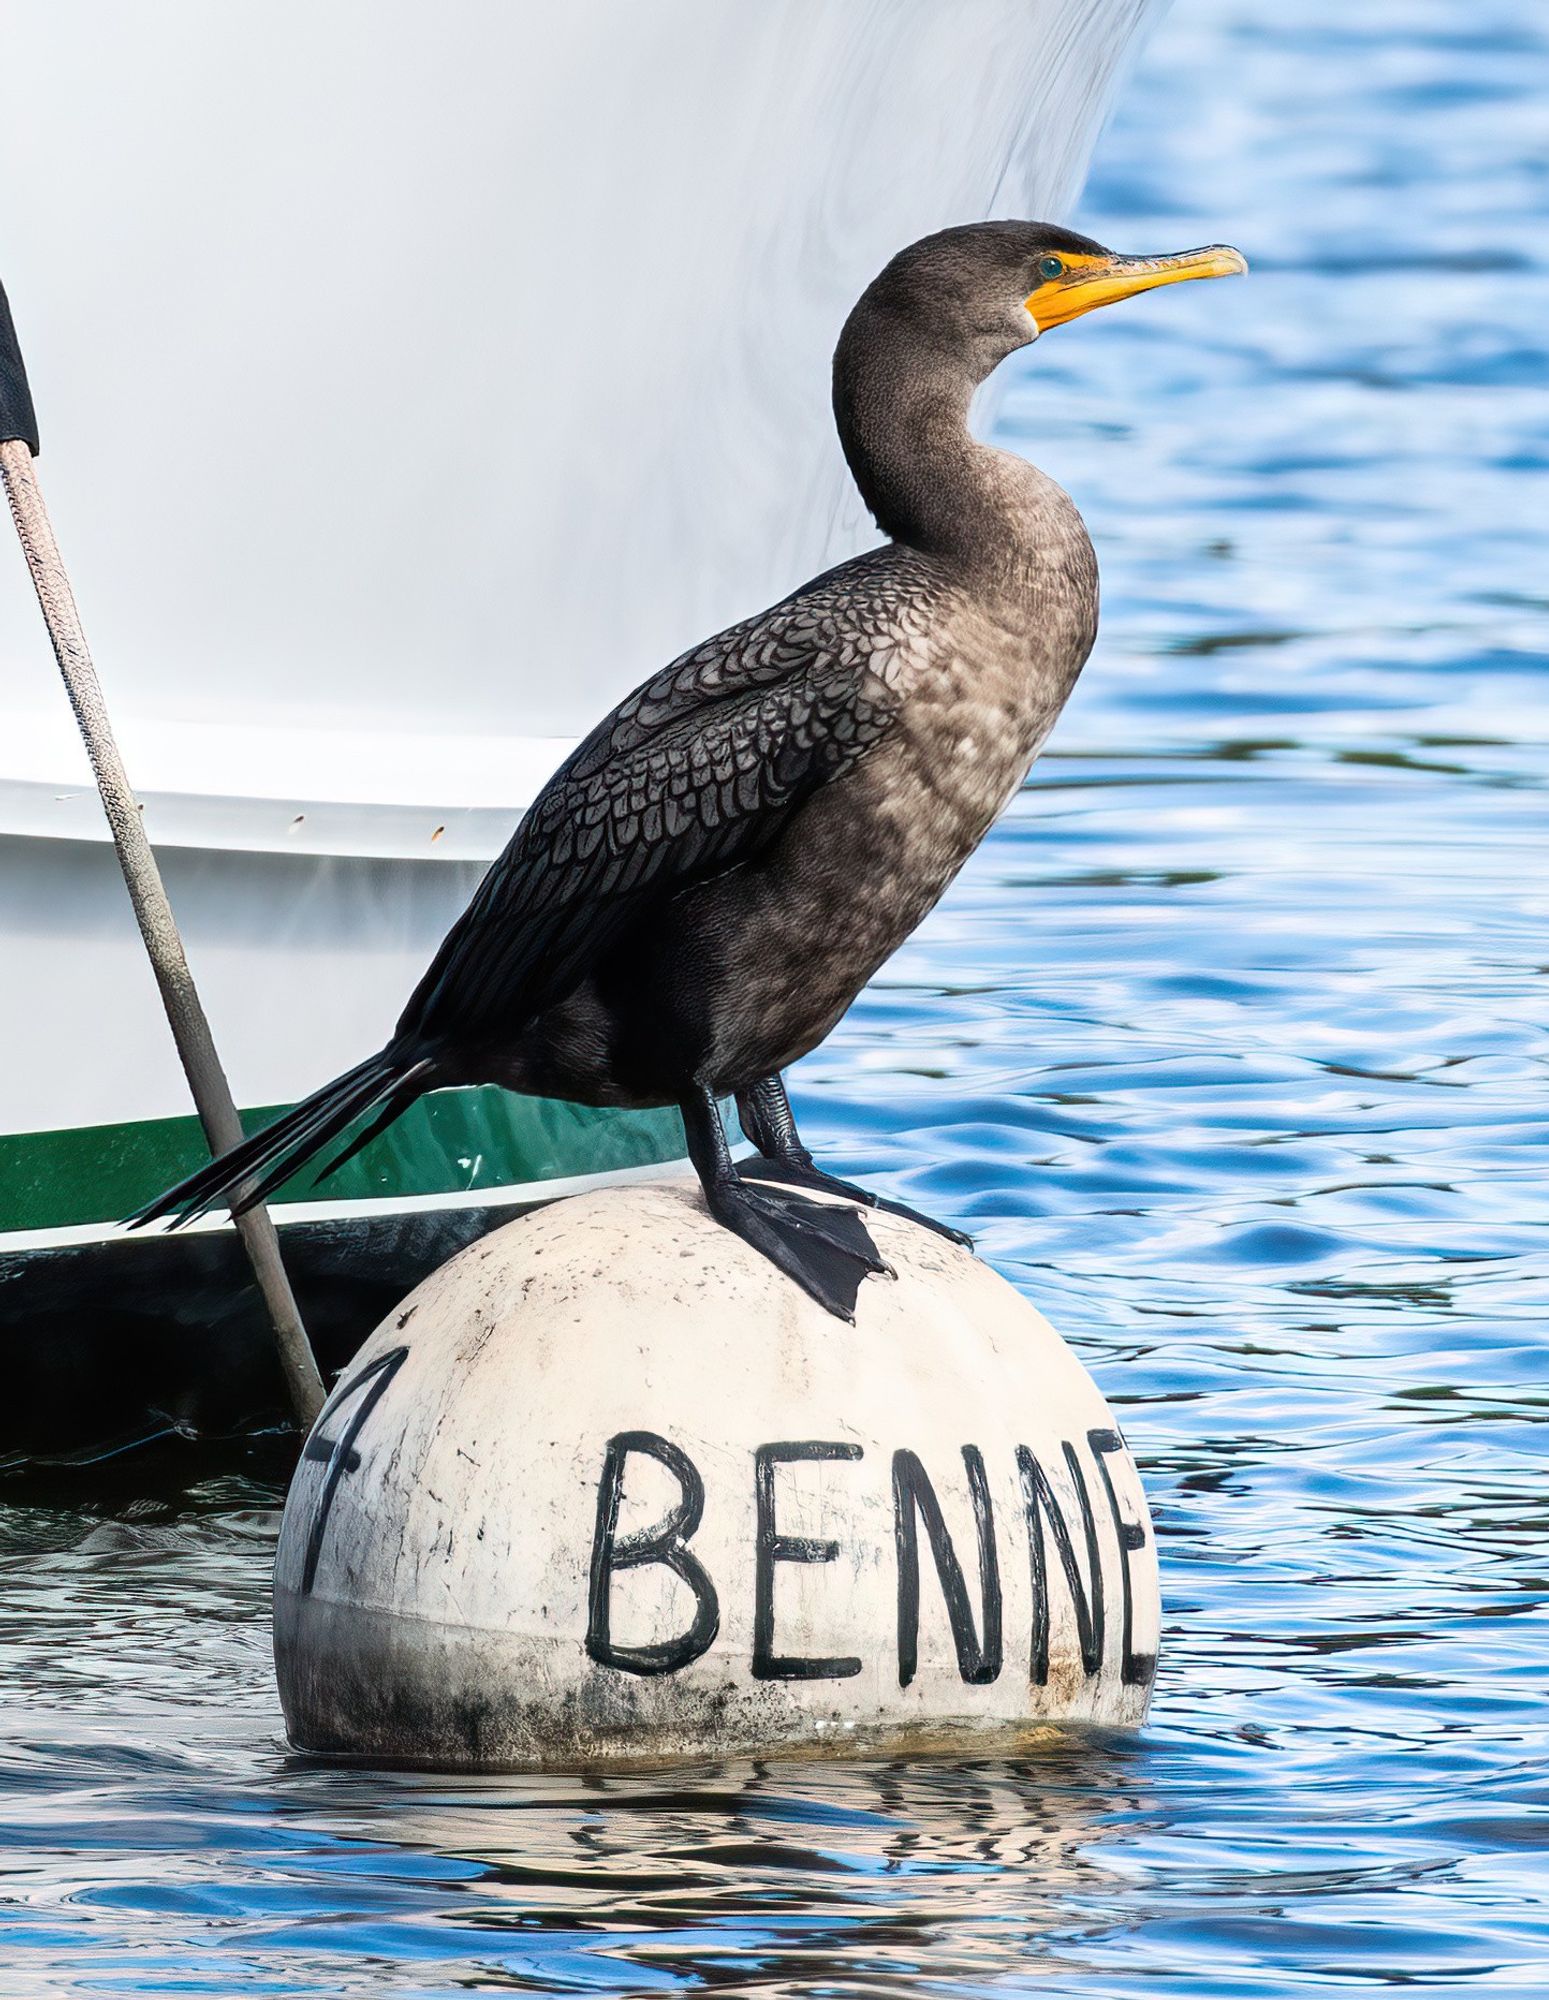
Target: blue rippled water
<point>1230,1047</point>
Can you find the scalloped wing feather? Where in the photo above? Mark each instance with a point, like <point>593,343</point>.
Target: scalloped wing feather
<point>692,773</point>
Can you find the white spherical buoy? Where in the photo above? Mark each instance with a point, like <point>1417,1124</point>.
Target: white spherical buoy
<point>610,1487</point>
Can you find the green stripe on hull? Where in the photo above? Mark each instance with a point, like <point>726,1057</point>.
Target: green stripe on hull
<point>452,1142</point>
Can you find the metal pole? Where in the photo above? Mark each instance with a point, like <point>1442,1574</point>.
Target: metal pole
<point>153,912</point>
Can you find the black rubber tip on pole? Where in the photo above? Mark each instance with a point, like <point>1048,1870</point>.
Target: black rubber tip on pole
<point>17,419</point>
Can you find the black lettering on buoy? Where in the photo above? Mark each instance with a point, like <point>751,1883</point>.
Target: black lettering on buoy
<point>1039,1500</point>
<point>338,1454</point>
<point>772,1547</point>
<point>666,1543</point>
<point>1136,1668</point>
<point>913,1495</point>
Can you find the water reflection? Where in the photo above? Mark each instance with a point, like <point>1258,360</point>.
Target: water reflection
<point>832,1869</point>
<point>1231,1048</point>
<point>779,1874</point>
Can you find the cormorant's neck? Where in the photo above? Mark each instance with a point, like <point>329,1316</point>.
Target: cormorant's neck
<point>901,406</point>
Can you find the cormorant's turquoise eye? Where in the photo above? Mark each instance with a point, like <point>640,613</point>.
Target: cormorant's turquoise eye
<point>1050,267</point>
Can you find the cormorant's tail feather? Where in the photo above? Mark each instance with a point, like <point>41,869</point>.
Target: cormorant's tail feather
<point>403,1094</point>
<point>242,1177</point>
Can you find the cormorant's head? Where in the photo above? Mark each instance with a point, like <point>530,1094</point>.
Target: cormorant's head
<point>991,287</point>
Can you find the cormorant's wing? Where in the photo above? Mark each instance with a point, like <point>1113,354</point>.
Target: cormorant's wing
<point>693,772</point>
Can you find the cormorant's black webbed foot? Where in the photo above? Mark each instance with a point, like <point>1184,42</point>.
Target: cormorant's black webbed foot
<point>765,1111</point>
<point>827,1250</point>
<point>803,1174</point>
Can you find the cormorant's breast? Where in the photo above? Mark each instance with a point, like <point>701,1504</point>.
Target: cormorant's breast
<point>974,686</point>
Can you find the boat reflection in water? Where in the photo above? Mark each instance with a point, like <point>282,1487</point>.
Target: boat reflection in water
<point>402,406</point>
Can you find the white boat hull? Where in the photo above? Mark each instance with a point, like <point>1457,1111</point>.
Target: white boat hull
<point>407,395</point>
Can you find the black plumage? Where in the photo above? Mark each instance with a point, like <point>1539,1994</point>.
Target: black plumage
<point>709,878</point>
<point>693,773</point>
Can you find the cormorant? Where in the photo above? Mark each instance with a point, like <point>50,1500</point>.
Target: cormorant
<point>699,892</point>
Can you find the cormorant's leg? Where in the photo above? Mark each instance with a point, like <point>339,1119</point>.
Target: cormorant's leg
<point>765,1111</point>
<point>826,1250</point>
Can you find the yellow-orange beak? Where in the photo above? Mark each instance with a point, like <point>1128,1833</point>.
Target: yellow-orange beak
<point>1089,281</point>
